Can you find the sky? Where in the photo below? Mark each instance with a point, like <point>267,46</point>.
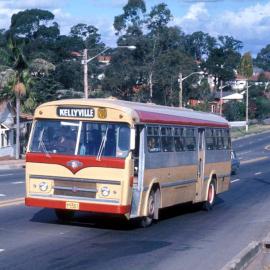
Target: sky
<point>245,20</point>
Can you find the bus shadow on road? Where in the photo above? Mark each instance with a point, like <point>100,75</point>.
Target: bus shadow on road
<point>82,219</point>
<point>186,208</point>
<point>115,222</point>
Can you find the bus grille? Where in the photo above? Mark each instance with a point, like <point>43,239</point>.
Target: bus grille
<point>75,189</point>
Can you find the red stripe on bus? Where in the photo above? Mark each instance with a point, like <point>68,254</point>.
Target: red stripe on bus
<point>84,162</point>
<point>160,118</point>
<point>84,206</point>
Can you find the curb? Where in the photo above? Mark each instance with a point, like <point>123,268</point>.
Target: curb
<point>10,167</point>
<point>244,258</point>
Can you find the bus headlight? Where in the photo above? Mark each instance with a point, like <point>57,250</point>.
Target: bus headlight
<point>105,191</point>
<point>43,186</point>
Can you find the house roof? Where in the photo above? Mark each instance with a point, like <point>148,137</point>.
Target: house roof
<point>235,96</point>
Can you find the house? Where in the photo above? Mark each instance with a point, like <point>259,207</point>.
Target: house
<point>8,130</point>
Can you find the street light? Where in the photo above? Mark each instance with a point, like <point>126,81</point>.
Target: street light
<point>85,61</point>
<point>180,80</point>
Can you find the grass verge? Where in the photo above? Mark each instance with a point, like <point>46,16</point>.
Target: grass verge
<point>237,132</point>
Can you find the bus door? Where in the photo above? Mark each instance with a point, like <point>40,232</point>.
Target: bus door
<point>201,163</point>
<point>139,166</point>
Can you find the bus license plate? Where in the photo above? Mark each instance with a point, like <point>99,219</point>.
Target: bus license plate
<point>72,205</point>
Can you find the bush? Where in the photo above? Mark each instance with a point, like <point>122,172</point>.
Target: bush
<point>234,111</point>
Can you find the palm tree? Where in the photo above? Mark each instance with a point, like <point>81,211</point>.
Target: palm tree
<point>14,58</point>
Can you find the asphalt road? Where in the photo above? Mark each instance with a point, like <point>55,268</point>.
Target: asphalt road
<point>185,237</point>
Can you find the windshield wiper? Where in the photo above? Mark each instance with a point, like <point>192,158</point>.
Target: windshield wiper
<point>42,144</point>
<point>102,144</point>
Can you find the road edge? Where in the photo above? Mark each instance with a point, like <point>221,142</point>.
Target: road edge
<point>250,135</point>
<point>245,257</point>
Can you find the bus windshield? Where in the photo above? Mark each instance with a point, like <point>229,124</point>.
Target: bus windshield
<point>81,138</point>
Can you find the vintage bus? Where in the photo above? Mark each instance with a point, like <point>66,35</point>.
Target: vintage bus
<point>127,158</point>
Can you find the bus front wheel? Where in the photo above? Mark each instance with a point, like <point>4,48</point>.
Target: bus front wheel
<point>211,196</point>
<point>64,215</point>
<point>151,208</point>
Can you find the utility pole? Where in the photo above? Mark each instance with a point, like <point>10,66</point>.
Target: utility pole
<point>221,95</point>
<point>180,80</point>
<point>247,108</point>
<point>85,73</point>
<point>151,85</point>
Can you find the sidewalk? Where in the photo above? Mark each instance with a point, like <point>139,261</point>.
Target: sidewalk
<point>262,260</point>
<point>12,164</point>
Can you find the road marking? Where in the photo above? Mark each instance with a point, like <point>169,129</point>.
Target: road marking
<point>1,250</point>
<point>2,195</point>
<point>253,160</point>
<point>11,202</point>
<point>7,174</point>
<point>243,153</point>
<point>235,180</point>
<point>257,173</point>
<point>267,147</point>
<point>17,182</point>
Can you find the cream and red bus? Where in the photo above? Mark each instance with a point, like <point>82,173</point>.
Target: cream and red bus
<point>126,158</point>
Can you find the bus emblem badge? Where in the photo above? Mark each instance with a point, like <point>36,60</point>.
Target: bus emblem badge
<point>74,164</point>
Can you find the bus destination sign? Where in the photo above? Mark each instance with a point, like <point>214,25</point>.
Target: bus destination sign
<point>76,112</point>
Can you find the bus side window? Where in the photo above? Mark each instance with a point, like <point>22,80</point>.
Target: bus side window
<point>209,139</point>
<point>179,141</point>
<point>166,139</point>
<point>153,139</point>
<point>190,139</point>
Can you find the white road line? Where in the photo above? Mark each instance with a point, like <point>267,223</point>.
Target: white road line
<point>2,195</point>
<point>1,250</point>
<point>257,173</point>
<point>7,174</point>
<point>235,180</point>
<point>17,182</point>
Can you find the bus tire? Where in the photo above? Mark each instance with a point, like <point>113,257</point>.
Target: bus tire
<point>211,196</point>
<point>64,215</point>
<point>151,205</point>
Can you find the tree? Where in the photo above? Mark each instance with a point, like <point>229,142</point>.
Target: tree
<point>246,70</point>
<point>33,23</point>
<point>199,45</point>
<point>223,59</point>
<point>263,58</point>
<point>246,66</point>
<point>131,20</point>
<point>13,56</point>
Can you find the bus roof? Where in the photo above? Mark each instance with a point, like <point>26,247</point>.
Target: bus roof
<point>148,112</point>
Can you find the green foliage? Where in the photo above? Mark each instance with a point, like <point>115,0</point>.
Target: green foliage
<point>246,66</point>
<point>31,23</point>
<point>53,68</point>
<point>234,111</point>
<point>263,58</point>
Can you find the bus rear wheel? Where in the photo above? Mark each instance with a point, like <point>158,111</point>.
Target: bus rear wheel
<point>211,196</point>
<point>64,215</point>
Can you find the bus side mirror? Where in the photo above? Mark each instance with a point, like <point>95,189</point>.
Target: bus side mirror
<point>132,138</point>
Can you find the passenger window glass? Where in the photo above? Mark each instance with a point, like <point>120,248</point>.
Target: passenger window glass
<point>166,139</point>
<point>153,143</point>
<point>190,140</point>
<point>179,143</point>
<point>153,139</point>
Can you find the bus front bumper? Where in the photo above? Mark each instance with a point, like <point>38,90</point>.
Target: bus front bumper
<point>79,206</point>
